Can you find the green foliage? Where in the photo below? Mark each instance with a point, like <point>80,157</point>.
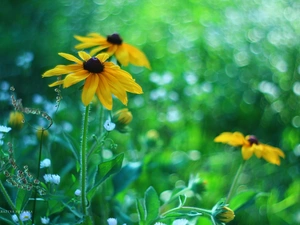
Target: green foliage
<point>216,66</point>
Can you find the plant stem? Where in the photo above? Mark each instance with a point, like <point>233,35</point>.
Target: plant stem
<point>38,174</point>
<point>235,180</point>
<point>9,201</point>
<point>83,162</point>
<point>187,208</point>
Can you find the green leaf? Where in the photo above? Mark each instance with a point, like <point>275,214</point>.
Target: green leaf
<point>21,199</point>
<point>72,144</point>
<point>242,199</point>
<point>152,205</point>
<point>126,176</point>
<point>73,178</point>
<point>105,170</point>
<point>141,212</point>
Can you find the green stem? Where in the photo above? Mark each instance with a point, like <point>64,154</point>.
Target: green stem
<point>38,174</point>
<point>235,180</point>
<point>83,162</point>
<point>188,208</point>
<point>9,201</point>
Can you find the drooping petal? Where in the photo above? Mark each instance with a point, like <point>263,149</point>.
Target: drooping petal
<point>89,89</point>
<point>137,57</point>
<point>272,154</point>
<point>74,78</point>
<point>57,71</point>
<point>59,82</point>
<point>70,57</point>
<point>122,55</point>
<point>233,139</point>
<point>103,93</point>
<point>247,152</point>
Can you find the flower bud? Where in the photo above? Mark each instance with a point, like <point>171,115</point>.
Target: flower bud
<point>122,118</point>
<point>16,120</point>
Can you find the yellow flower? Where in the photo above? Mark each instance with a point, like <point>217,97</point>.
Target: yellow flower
<point>251,145</point>
<point>101,78</point>
<point>16,120</point>
<point>114,45</point>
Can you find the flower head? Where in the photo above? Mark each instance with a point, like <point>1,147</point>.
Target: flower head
<point>122,118</point>
<point>45,163</point>
<point>180,222</point>
<point>4,129</point>
<point>16,120</point>
<point>15,218</point>
<point>45,220</point>
<point>52,178</point>
<point>77,192</point>
<point>25,215</point>
<point>108,125</point>
<point>101,78</point>
<point>112,221</point>
<point>222,213</point>
<point>114,45</point>
<point>250,145</point>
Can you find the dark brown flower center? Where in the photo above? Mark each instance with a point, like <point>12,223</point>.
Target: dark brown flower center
<point>93,65</point>
<point>253,140</point>
<point>114,39</point>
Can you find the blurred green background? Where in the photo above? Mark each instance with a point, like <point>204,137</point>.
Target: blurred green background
<point>216,66</point>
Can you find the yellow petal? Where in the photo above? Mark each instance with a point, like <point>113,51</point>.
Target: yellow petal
<point>122,55</point>
<point>233,139</point>
<point>74,78</point>
<point>59,82</point>
<point>102,57</point>
<point>137,57</point>
<point>70,57</point>
<point>247,152</point>
<point>103,93</point>
<point>84,56</point>
<point>89,89</point>
<point>55,72</point>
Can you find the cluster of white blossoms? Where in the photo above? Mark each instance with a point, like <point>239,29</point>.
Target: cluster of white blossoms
<point>52,178</point>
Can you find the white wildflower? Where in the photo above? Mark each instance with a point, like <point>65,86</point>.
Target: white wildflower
<point>45,163</point>
<point>4,129</point>
<point>52,178</point>
<point>45,220</point>
<point>15,218</point>
<point>112,221</point>
<point>25,215</point>
<point>180,222</point>
<point>108,125</point>
<point>77,192</point>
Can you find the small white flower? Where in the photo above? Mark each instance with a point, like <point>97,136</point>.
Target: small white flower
<point>77,192</point>
<point>180,222</point>
<point>15,218</point>
<point>4,129</point>
<point>52,178</point>
<point>45,220</point>
<point>45,163</point>
<point>25,215</point>
<point>108,125</point>
<point>55,179</point>
<point>159,223</point>
<point>112,221</point>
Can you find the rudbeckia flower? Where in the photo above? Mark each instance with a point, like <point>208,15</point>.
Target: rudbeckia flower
<point>251,145</point>
<point>101,78</point>
<point>114,45</point>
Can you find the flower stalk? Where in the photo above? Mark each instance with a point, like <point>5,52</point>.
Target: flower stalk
<point>9,201</point>
<point>235,180</point>
<point>83,160</point>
